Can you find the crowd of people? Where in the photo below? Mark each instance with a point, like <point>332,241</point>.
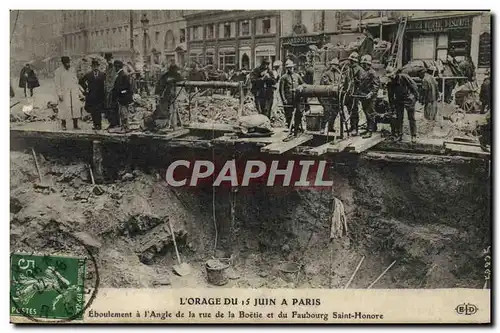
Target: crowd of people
<point>111,92</point>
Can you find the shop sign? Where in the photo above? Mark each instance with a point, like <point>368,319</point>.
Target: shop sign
<point>439,25</point>
<point>302,40</point>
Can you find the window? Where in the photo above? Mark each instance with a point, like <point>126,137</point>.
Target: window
<point>182,34</point>
<point>423,47</point>
<point>227,60</point>
<point>209,58</point>
<point>266,26</point>
<point>210,31</point>
<point>245,28</point>
<point>484,59</point>
<point>196,33</point>
<point>157,36</point>
<point>227,30</point>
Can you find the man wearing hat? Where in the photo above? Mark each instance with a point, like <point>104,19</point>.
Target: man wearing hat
<point>355,71</point>
<point>263,81</point>
<point>95,93</point>
<point>330,76</point>
<point>109,105</point>
<point>430,93</point>
<point>122,94</point>
<point>166,92</point>
<point>402,92</point>
<point>28,80</point>
<point>69,93</point>
<point>369,84</point>
<point>289,83</point>
<point>277,72</point>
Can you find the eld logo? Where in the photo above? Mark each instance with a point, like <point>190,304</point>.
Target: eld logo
<point>466,309</point>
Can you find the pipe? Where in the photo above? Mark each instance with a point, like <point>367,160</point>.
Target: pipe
<point>312,90</point>
<point>208,84</point>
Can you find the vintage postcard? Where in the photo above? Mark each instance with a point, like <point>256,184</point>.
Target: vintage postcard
<point>250,166</point>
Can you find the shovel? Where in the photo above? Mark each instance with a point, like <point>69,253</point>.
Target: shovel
<point>40,184</point>
<point>97,189</point>
<point>182,268</point>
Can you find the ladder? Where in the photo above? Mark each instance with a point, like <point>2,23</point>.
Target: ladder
<point>396,58</point>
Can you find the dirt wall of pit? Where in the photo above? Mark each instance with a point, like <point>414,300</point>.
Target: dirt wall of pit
<point>433,220</point>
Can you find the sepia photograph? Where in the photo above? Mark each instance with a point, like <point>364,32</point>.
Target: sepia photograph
<point>249,159</point>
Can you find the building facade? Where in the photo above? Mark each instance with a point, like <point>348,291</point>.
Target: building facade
<point>233,39</point>
<point>163,39</point>
<point>95,32</point>
<point>36,37</point>
<point>429,35</point>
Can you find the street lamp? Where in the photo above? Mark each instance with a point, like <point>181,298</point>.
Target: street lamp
<point>145,26</point>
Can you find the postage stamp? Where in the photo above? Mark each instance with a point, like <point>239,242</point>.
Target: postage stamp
<point>48,287</point>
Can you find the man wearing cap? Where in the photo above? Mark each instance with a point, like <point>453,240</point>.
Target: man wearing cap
<point>289,83</point>
<point>122,94</point>
<point>263,81</point>
<point>95,94</point>
<point>369,84</point>
<point>69,93</point>
<point>110,106</point>
<point>429,93</point>
<point>330,76</point>
<point>402,92</point>
<point>353,80</point>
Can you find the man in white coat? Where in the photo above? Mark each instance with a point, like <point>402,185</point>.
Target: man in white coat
<point>69,93</point>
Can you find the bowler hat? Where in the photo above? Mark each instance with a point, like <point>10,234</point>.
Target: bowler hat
<point>108,55</point>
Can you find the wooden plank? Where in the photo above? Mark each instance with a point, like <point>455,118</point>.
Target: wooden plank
<point>341,145</point>
<point>406,158</point>
<point>464,139</point>
<point>473,144</point>
<point>422,146</point>
<point>464,150</point>
<point>320,150</point>
<point>361,144</point>
<point>90,135</point>
<point>211,127</point>
<point>281,147</point>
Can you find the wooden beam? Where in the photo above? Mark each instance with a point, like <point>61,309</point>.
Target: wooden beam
<point>462,143</point>
<point>465,150</point>
<point>211,127</point>
<point>422,146</point>
<point>320,150</point>
<point>90,135</point>
<point>464,139</point>
<point>361,144</point>
<point>416,158</point>
<point>341,145</point>
<point>281,147</point>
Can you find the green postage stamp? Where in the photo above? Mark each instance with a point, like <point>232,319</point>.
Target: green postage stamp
<point>48,287</point>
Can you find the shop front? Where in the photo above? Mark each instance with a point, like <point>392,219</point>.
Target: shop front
<point>196,56</point>
<point>298,47</point>
<point>245,57</point>
<point>227,58</point>
<point>434,39</point>
<point>265,52</point>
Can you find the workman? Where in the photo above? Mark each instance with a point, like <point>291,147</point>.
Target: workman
<point>485,93</point>
<point>330,76</point>
<point>402,92</point>
<point>351,84</point>
<point>430,93</point>
<point>289,83</point>
<point>368,90</point>
<point>263,81</point>
<point>111,108</point>
<point>166,92</point>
